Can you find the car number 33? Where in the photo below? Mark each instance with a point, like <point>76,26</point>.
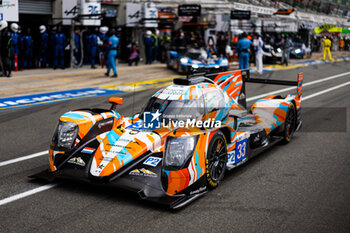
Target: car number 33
<point>238,154</point>
<point>241,150</point>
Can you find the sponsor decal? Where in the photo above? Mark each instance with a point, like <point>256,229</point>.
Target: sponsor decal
<point>210,123</point>
<point>77,161</point>
<point>152,161</point>
<point>142,172</point>
<point>151,120</point>
<point>173,91</point>
<point>101,124</point>
<point>88,150</point>
<point>47,98</point>
<point>201,189</point>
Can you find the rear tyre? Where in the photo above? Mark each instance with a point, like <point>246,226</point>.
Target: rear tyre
<point>216,160</point>
<point>289,124</point>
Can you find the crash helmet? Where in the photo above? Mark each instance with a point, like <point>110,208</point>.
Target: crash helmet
<point>148,33</point>
<point>42,28</point>
<point>3,25</point>
<point>104,29</point>
<point>14,27</point>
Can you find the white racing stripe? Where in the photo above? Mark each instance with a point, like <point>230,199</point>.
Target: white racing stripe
<point>26,194</point>
<point>49,186</point>
<point>23,158</point>
<point>304,85</point>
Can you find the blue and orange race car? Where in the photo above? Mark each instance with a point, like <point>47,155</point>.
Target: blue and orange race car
<point>189,134</point>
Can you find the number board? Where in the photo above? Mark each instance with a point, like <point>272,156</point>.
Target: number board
<point>241,150</point>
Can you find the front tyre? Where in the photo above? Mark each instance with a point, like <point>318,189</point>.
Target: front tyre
<point>216,160</point>
<point>290,124</point>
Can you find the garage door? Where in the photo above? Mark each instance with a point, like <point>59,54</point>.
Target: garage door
<point>41,7</point>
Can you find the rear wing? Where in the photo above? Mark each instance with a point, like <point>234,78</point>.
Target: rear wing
<point>233,82</point>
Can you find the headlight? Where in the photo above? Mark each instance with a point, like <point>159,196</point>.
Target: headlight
<point>65,134</point>
<point>224,62</point>
<point>297,51</point>
<point>216,66</point>
<point>184,60</point>
<point>279,50</point>
<point>178,150</point>
<point>195,66</point>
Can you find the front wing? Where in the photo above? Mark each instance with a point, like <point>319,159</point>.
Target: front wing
<point>142,177</point>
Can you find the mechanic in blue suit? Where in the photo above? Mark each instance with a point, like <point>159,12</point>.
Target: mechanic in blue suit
<point>15,43</point>
<point>77,46</point>
<point>112,45</point>
<point>243,51</point>
<point>44,45</point>
<point>93,49</point>
<point>27,42</point>
<point>87,48</point>
<point>59,42</point>
<point>149,43</point>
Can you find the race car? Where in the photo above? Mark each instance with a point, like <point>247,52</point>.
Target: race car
<point>272,54</point>
<point>300,51</point>
<point>196,60</point>
<point>180,146</point>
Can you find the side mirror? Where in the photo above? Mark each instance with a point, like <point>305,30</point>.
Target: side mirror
<point>115,101</point>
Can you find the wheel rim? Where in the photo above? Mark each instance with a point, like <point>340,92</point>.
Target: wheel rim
<point>217,161</point>
<point>290,121</point>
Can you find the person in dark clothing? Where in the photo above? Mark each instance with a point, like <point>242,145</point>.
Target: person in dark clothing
<point>15,44</point>
<point>286,44</point>
<point>181,43</point>
<point>27,42</point>
<point>93,49</point>
<point>59,42</point>
<point>44,45</point>
<point>77,47</point>
<point>103,45</point>
<point>164,46</point>
<point>134,55</point>
<point>149,43</point>
<point>5,43</point>
<point>221,42</point>
<point>87,47</point>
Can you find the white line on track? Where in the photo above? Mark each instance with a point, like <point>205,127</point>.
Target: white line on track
<point>26,194</point>
<point>325,91</point>
<point>23,158</point>
<point>49,186</point>
<point>304,85</point>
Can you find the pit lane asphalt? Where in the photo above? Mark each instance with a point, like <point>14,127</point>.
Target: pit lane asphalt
<point>299,187</point>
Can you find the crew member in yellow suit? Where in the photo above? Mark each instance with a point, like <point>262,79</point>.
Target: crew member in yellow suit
<point>327,49</point>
